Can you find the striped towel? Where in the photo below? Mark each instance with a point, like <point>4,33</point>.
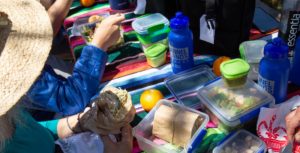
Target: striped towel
<point>151,78</point>
<point>127,60</point>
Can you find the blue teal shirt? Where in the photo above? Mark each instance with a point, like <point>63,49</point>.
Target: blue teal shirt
<point>32,137</point>
<point>70,96</point>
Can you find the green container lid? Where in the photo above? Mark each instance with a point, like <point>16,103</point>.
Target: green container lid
<point>235,68</point>
<point>155,50</point>
<point>155,33</point>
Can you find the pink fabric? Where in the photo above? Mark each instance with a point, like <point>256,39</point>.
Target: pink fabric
<point>127,28</point>
<point>136,148</point>
<point>211,125</point>
<point>76,41</point>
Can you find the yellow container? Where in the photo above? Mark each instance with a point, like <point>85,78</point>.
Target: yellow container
<point>156,54</point>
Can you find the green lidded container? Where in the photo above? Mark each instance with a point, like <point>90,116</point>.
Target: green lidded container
<point>155,33</point>
<point>234,72</point>
<point>156,54</point>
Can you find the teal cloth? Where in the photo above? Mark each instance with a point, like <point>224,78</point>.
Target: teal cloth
<point>30,137</point>
<point>51,126</point>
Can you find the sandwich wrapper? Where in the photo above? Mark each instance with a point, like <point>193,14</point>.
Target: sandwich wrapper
<point>271,125</point>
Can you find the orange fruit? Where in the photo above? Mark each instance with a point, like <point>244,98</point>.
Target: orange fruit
<point>217,63</point>
<point>149,98</point>
<point>87,3</point>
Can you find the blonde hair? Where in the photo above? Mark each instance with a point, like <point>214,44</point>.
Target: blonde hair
<point>7,125</point>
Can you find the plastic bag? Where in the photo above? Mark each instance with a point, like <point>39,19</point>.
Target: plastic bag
<point>207,29</point>
<point>81,143</point>
<point>271,125</point>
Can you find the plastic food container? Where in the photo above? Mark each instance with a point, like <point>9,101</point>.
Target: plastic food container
<point>164,41</point>
<point>233,106</point>
<point>84,21</point>
<point>151,28</point>
<point>142,24</point>
<point>184,85</point>
<point>241,142</point>
<point>145,138</point>
<point>234,72</point>
<point>252,52</point>
<point>156,33</point>
<point>87,31</point>
<point>156,55</point>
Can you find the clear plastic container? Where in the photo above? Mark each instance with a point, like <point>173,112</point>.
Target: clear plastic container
<point>87,29</point>
<point>144,136</point>
<point>164,41</point>
<point>252,52</point>
<point>241,142</point>
<point>155,34</point>
<point>84,21</point>
<point>156,54</point>
<point>142,24</point>
<point>158,60</point>
<point>234,72</point>
<point>184,85</point>
<point>233,106</point>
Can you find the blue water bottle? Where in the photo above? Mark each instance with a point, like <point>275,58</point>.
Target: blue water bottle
<point>295,69</point>
<point>274,69</point>
<point>181,43</point>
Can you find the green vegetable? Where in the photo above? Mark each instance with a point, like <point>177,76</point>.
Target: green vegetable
<point>230,101</point>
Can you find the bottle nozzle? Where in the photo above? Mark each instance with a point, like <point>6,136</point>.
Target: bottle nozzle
<point>277,41</point>
<point>179,15</point>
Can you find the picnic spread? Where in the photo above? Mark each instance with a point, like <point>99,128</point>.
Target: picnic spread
<point>207,106</point>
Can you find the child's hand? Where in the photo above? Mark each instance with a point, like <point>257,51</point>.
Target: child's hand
<point>292,125</point>
<point>125,145</point>
<point>108,32</point>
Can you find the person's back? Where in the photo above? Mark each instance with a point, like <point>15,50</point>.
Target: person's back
<point>33,136</point>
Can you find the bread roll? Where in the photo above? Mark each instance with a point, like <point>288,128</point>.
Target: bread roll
<point>163,126</point>
<point>117,100</point>
<point>186,124</point>
<point>175,126</point>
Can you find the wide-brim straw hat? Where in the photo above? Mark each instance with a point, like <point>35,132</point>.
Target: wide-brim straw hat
<point>25,42</point>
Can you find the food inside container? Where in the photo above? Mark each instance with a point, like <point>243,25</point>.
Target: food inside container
<point>87,20</point>
<point>234,106</point>
<point>88,26</point>
<point>234,72</point>
<point>241,142</point>
<point>170,127</point>
<point>184,85</point>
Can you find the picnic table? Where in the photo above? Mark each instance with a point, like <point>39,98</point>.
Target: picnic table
<point>127,68</point>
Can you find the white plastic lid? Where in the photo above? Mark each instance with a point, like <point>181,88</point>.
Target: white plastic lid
<point>234,106</point>
<point>184,85</point>
<point>241,141</point>
<point>143,131</point>
<point>141,25</point>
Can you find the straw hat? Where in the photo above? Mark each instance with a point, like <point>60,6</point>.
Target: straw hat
<point>25,42</point>
<point>46,3</point>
